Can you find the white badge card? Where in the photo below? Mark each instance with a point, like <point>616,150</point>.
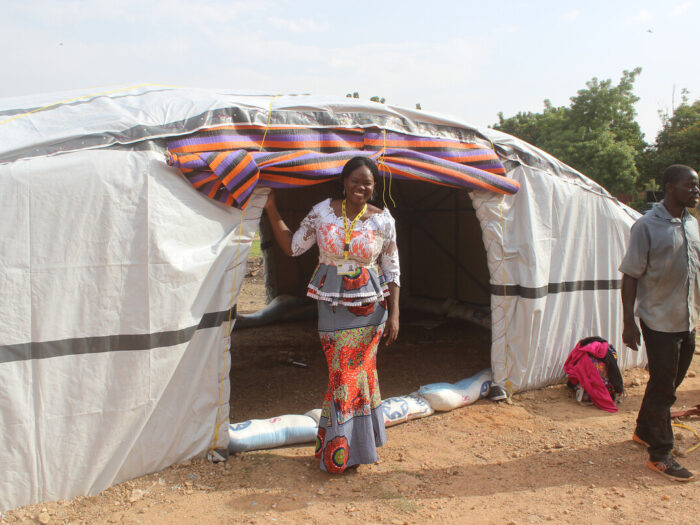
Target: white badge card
<point>346,267</point>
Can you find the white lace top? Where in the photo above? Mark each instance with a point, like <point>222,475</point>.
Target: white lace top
<point>373,239</point>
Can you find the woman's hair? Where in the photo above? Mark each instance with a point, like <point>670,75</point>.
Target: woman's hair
<point>358,162</point>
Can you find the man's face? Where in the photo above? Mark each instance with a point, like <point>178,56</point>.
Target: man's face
<point>686,191</point>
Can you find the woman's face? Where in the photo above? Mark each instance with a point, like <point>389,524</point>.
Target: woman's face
<point>359,186</point>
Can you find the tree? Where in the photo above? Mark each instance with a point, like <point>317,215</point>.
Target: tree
<point>678,141</point>
<point>597,134</point>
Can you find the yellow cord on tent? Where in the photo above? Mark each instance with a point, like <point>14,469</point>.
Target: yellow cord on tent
<point>267,126</point>
<point>509,389</point>
<point>382,164</point>
<point>685,452</point>
<point>66,101</point>
<point>228,333</point>
<point>233,298</point>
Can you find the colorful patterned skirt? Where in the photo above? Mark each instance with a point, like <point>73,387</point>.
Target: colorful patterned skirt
<point>352,424</point>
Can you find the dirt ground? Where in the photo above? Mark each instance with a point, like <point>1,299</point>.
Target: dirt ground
<point>541,459</point>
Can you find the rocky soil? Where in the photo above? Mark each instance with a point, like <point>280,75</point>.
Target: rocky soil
<point>540,459</point>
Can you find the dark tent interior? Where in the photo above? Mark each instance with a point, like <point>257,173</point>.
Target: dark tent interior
<point>444,282</point>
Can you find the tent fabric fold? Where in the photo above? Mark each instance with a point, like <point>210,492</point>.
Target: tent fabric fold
<point>227,163</point>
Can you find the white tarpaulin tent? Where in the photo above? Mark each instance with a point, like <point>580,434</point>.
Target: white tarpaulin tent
<point>119,279</point>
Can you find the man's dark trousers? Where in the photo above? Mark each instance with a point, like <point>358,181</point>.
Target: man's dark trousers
<point>669,356</point>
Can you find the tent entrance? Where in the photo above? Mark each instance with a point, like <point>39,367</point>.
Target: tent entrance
<point>280,368</point>
<point>439,237</point>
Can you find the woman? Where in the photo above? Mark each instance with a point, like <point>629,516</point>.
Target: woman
<point>358,302</point>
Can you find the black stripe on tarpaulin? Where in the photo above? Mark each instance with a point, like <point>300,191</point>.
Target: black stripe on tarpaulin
<point>110,343</point>
<point>515,290</point>
<point>259,130</point>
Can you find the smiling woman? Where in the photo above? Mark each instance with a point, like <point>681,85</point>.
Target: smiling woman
<point>358,304</point>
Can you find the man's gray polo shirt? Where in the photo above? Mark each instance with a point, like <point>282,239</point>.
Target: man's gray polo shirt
<point>664,255</point>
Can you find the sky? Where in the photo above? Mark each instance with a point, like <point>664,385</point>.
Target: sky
<point>468,60</point>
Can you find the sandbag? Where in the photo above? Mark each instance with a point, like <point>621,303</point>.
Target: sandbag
<point>466,312</point>
<point>448,396</point>
<point>404,408</point>
<point>314,414</point>
<point>259,434</point>
<point>281,309</point>
<point>480,315</point>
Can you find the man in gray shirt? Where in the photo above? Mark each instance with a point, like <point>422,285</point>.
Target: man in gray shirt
<point>660,272</point>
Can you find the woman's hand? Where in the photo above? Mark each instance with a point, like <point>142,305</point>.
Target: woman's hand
<point>271,203</point>
<point>282,233</point>
<point>391,329</point>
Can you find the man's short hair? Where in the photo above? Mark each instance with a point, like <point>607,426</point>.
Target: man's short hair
<point>674,173</point>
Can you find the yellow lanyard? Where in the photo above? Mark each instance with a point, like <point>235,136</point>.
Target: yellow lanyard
<point>348,231</point>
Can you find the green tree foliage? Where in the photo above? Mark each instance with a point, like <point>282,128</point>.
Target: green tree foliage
<point>597,134</point>
<point>376,98</point>
<point>678,142</point>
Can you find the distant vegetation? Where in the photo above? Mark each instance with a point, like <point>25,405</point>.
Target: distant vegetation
<point>376,98</point>
<point>255,250</point>
<point>598,135</point>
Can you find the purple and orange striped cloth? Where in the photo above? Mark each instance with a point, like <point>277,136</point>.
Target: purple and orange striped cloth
<point>225,163</point>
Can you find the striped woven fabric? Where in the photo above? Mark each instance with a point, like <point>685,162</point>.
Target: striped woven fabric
<point>226,163</point>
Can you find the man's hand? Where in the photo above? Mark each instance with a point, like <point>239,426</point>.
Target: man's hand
<point>630,335</point>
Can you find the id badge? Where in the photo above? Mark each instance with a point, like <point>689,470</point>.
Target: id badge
<point>346,267</point>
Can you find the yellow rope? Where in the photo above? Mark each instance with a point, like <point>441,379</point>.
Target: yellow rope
<point>228,333</point>
<point>685,452</point>
<point>66,101</point>
<point>382,164</point>
<point>267,126</point>
<point>233,297</point>
<point>509,389</point>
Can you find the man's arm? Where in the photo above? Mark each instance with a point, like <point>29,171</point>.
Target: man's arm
<point>630,332</point>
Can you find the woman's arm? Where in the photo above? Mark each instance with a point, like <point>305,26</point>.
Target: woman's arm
<point>279,228</point>
<point>392,271</point>
<point>391,329</point>
<point>291,244</point>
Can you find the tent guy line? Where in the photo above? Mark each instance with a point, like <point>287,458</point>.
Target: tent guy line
<point>111,343</point>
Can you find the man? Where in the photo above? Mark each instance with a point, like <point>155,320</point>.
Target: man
<point>661,274</point>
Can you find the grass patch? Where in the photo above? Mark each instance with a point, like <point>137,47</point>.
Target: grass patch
<point>255,250</point>
<point>405,505</point>
<point>387,494</point>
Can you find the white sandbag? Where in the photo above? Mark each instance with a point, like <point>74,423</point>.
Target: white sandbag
<point>448,396</point>
<point>473,314</point>
<point>425,304</point>
<point>480,315</point>
<point>282,308</point>
<point>404,408</point>
<point>278,431</point>
<point>315,414</point>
